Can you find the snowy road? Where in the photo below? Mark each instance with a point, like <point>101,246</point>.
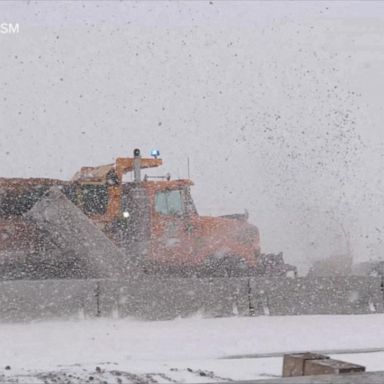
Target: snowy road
<point>186,350</point>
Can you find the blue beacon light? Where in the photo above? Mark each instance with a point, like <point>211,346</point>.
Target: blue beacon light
<point>155,153</point>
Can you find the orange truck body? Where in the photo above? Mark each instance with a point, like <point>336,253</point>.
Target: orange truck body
<point>155,221</point>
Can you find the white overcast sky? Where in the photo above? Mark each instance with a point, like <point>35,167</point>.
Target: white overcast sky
<point>278,105</point>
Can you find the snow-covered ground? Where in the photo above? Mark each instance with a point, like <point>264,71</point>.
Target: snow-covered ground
<point>186,350</point>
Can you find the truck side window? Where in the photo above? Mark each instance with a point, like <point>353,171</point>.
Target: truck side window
<point>169,203</point>
<point>161,203</point>
<point>175,205</point>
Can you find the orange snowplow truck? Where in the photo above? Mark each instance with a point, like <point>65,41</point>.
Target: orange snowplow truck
<point>153,220</point>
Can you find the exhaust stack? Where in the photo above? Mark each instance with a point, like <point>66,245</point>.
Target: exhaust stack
<point>136,165</point>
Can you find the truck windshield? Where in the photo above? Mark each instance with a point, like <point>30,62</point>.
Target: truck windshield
<point>169,202</point>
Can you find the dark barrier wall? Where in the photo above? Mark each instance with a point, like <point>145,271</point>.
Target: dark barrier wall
<point>163,299</point>
<point>315,296</point>
<point>24,300</point>
<point>160,299</point>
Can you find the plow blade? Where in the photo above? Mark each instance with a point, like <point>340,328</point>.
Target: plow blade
<point>77,245</point>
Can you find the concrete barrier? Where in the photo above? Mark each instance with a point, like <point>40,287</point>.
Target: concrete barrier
<point>161,299</point>
<point>155,298</point>
<point>24,300</point>
<point>321,295</point>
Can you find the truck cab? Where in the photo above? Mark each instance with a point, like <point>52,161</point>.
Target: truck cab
<point>159,223</point>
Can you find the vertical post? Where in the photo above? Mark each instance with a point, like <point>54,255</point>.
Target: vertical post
<point>188,167</point>
<point>97,295</point>
<point>251,307</point>
<point>136,165</point>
